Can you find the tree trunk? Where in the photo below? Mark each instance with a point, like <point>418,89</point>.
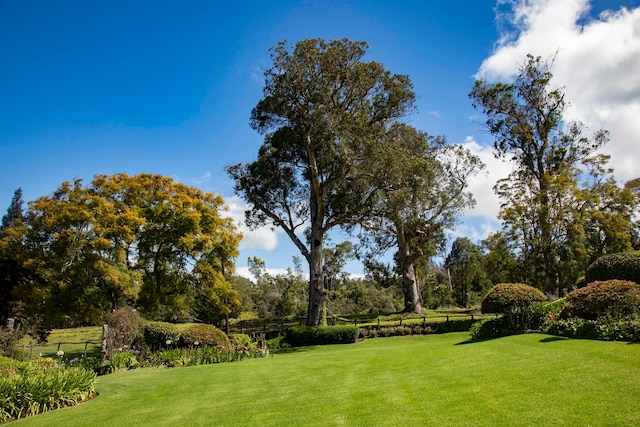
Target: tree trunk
<point>317,295</point>
<point>412,296</point>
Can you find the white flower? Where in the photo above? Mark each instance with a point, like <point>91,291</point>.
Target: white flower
<point>168,342</point>
<point>60,353</point>
<point>196,343</point>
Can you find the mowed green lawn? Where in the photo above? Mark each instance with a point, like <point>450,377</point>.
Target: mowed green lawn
<point>437,380</point>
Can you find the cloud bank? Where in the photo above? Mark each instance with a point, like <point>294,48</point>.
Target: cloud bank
<point>597,62</point>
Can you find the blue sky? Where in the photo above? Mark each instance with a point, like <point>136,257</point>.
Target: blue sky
<point>94,87</point>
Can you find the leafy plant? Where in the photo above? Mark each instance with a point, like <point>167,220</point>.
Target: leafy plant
<point>205,335</point>
<point>33,390</point>
<point>511,297</point>
<point>125,324</point>
<point>611,298</point>
<point>161,335</point>
<point>621,265</point>
<point>320,335</point>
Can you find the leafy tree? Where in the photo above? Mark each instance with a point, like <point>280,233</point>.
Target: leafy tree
<point>464,265</point>
<point>14,212</point>
<point>10,270</point>
<point>499,261</point>
<point>546,204</point>
<point>422,183</point>
<point>323,109</point>
<point>142,240</point>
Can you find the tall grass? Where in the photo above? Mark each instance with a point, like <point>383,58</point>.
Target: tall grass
<point>433,380</point>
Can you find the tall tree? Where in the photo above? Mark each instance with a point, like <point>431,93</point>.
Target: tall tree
<point>323,108</point>
<point>465,270</point>
<point>14,212</point>
<point>10,270</point>
<point>542,197</point>
<point>143,240</point>
<point>422,182</point>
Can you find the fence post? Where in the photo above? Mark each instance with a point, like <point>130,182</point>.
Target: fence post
<point>105,335</point>
<point>378,323</point>
<point>447,317</point>
<point>472,317</point>
<point>401,321</point>
<point>84,355</point>
<point>355,322</point>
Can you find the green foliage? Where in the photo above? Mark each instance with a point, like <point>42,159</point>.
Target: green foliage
<point>511,297</point>
<point>621,266</point>
<point>120,360</point>
<point>8,366</point>
<point>424,328</point>
<point>140,240</point>
<point>464,265</point>
<point>488,329</point>
<point>299,336</point>
<point>553,218</point>
<point>203,356</point>
<point>33,390</point>
<point>599,329</point>
<point>243,341</point>
<point>611,298</point>
<point>205,335</point>
<point>161,335</point>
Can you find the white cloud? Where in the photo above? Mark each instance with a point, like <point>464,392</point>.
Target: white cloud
<point>597,62</point>
<point>244,272</point>
<point>481,186</point>
<point>202,179</point>
<point>260,238</point>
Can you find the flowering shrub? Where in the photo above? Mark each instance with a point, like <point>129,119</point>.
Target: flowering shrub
<point>202,356</point>
<point>125,324</point>
<point>612,298</point>
<point>204,335</point>
<point>621,266</point>
<point>511,297</point>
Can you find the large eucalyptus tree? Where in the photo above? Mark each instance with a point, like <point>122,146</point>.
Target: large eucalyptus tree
<point>322,110</point>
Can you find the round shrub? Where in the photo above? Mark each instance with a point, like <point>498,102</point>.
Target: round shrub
<point>125,324</point>
<point>621,266</point>
<point>511,297</point>
<point>611,298</point>
<point>207,335</point>
<point>161,335</point>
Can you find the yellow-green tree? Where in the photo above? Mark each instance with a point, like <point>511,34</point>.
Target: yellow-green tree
<point>142,240</point>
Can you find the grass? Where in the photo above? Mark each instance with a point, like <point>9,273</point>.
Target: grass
<point>77,336</point>
<point>438,380</point>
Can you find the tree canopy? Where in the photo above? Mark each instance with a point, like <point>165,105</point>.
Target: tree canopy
<point>143,240</point>
<point>323,110</point>
<point>561,206</point>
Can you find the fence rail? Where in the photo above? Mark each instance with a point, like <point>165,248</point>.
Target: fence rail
<point>270,328</point>
<point>58,345</point>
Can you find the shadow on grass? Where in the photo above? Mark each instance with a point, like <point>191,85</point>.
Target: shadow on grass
<point>552,339</point>
<point>291,350</point>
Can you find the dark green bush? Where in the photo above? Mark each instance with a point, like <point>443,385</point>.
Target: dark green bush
<point>298,336</point>
<point>612,298</point>
<point>161,335</point>
<point>204,335</point>
<point>489,328</point>
<point>621,266</point>
<point>511,297</point>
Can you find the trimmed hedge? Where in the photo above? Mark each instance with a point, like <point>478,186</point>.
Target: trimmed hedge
<point>621,266</point>
<point>161,335</point>
<point>511,297</point>
<point>299,336</point>
<point>612,298</point>
<point>453,325</point>
<point>205,335</point>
